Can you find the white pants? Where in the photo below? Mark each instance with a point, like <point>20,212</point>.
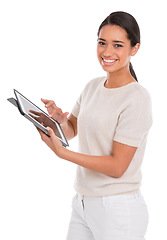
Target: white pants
<point>119,217</point>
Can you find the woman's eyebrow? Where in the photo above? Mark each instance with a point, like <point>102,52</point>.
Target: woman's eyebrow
<point>102,39</point>
<point>115,41</point>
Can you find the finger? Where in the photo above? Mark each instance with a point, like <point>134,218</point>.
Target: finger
<point>35,113</point>
<point>50,103</point>
<point>36,118</point>
<point>44,137</point>
<point>64,115</point>
<point>51,132</point>
<point>55,111</point>
<point>45,101</point>
<point>52,135</point>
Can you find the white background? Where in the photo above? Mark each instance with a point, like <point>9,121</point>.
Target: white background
<point>48,49</point>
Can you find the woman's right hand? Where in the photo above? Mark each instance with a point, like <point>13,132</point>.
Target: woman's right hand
<point>54,111</point>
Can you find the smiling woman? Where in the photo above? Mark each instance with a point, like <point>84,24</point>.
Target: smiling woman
<point>112,118</point>
<point>132,31</point>
<point>114,51</point>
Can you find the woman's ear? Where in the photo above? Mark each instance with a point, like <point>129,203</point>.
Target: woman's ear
<point>135,49</point>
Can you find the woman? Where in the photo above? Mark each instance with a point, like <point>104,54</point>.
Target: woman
<point>112,118</point>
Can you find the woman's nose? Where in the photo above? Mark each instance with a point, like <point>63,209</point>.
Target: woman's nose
<point>108,51</point>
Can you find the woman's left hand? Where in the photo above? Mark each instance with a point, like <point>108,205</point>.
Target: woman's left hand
<point>53,142</point>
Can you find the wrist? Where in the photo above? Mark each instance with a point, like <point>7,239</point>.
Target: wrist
<point>61,152</point>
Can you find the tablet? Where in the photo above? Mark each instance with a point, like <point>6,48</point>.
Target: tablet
<point>37,116</point>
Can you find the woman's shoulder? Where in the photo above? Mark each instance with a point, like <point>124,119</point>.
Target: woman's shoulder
<point>139,99</point>
<point>139,91</point>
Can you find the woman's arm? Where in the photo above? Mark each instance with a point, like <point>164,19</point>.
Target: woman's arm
<point>70,127</point>
<point>114,165</point>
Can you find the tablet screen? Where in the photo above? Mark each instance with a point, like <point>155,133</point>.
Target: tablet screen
<point>35,114</point>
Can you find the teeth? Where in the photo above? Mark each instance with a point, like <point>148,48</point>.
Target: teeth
<point>108,61</point>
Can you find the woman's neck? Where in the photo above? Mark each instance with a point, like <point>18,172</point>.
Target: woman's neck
<point>115,79</point>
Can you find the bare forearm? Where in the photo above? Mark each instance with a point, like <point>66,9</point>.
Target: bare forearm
<point>70,127</point>
<point>68,130</point>
<point>113,165</point>
<point>103,164</point>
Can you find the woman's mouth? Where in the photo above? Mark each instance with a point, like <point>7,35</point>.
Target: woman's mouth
<point>108,62</point>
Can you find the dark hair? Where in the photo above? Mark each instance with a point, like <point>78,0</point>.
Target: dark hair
<point>129,24</point>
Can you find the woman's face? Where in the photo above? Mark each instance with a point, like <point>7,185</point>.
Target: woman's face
<point>114,48</point>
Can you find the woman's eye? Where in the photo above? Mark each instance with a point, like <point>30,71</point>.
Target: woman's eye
<point>117,46</point>
<point>101,43</point>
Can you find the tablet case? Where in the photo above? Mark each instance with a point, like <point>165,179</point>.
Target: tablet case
<point>15,103</point>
